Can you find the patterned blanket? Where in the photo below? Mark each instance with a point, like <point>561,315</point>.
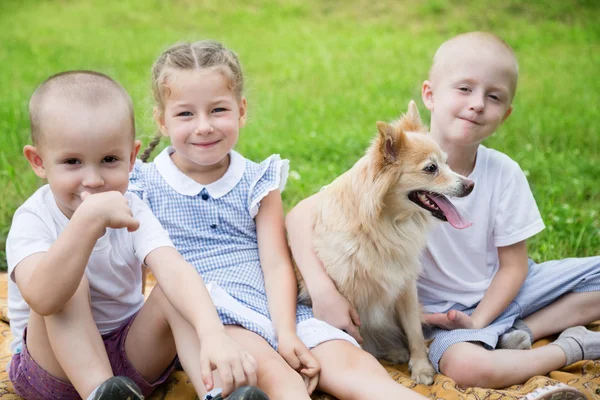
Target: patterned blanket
<point>584,375</point>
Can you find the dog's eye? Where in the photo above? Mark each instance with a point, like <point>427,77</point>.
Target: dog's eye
<point>431,168</point>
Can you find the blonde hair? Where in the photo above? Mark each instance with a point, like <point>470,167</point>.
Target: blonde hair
<point>87,87</point>
<point>192,56</point>
<point>473,39</point>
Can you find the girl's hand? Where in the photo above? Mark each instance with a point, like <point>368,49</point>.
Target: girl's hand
<point>337,311</point>
<point>297,355</point>
<point>235,366</point>
<point>451,320</point>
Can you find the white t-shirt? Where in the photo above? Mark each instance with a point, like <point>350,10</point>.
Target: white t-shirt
<point>113,270</point>
<point>458,265</point>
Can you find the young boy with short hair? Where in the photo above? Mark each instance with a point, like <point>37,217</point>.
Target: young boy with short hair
<point>478,281</point>
<point>75,252</point>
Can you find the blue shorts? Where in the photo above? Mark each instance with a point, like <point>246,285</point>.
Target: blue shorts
<point>545,283</point>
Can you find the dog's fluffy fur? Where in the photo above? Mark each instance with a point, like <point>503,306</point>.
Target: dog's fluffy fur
<point>370,228</point>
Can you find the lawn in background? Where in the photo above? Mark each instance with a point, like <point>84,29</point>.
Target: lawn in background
<point>320,74</point>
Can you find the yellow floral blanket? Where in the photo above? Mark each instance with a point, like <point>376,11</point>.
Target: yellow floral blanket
<point>584,375</point>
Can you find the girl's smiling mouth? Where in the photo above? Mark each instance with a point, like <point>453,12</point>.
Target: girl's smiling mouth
<point>206,144</point>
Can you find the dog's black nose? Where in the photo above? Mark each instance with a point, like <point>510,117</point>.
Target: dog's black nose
<point>468,186</point>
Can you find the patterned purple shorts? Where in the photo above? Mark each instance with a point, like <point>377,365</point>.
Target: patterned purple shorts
<point>32,382</point>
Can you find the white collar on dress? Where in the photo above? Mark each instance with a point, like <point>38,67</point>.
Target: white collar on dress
<point>185,185</point>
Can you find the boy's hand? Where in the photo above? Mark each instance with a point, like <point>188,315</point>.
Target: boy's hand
<point>235,366</point>
<point>453,319</point>
<point>337,311</point>
<point>111,209</point>
<point>297,355</point>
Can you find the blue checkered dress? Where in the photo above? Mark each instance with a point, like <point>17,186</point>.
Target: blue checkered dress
<point>214,229</point>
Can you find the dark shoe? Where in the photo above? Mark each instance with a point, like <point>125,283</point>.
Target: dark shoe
<point>243,393</point>
<point>118,388</point>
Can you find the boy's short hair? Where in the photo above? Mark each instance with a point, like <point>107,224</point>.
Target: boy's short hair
<point>87,87</point>
<point>474,39</point>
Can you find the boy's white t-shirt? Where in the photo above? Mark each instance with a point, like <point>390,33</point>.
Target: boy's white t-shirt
<point>458,265</point>
<point>113,270</point>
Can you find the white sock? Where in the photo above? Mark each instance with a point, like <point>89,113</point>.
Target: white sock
<point>519,336</point>
<point>515,339</point>
<point>579,343</point>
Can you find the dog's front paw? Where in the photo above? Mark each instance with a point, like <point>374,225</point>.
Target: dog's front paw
<point>422,371</point>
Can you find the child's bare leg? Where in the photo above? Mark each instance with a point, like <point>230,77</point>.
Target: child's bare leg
<point>570,310</point>
<point>154,337</point>
<point>471,365</point>
<point>161,328</point>
<point>579,291</point>
<point>275,376</point>
<point>349,373</point>
<point>68,345</point>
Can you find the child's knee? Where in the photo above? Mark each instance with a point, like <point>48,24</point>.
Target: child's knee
<point>274,373</point>
<point>346,370</point>
<point>162,312</point>
<point>468,365</point>
<point>81,298</point>
<point>83,290</point>
<point>358,361</point>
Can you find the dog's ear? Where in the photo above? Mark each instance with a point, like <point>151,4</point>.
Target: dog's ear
<point>390,140</point>
<point>411,121</point>
<point>413,112</point>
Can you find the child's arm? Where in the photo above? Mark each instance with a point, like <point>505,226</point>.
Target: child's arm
<point>504,286</point>
<point>186,291</point>
<point>48,280</point>
<point>328,304</point>
<point>502,291</point>
<point>281,287</point>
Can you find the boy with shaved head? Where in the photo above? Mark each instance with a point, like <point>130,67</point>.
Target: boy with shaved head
<point>75,249</point>
<point>478,283</point>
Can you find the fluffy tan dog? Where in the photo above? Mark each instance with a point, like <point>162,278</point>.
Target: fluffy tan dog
<point>370,228</point>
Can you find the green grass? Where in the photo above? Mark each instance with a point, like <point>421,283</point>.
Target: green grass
<point>321,73</point>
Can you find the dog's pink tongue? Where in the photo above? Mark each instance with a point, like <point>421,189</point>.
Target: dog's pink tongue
<point>451,213</point>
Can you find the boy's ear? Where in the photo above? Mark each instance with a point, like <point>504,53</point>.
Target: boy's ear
<point>427,95</point>
<point>159,118</point>
<point>32,155</point>
<point>134,152</point>
<point>507,114</point>
<point>243,111</point>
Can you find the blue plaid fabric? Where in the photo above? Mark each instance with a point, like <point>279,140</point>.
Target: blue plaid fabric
<point>217,233</point>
